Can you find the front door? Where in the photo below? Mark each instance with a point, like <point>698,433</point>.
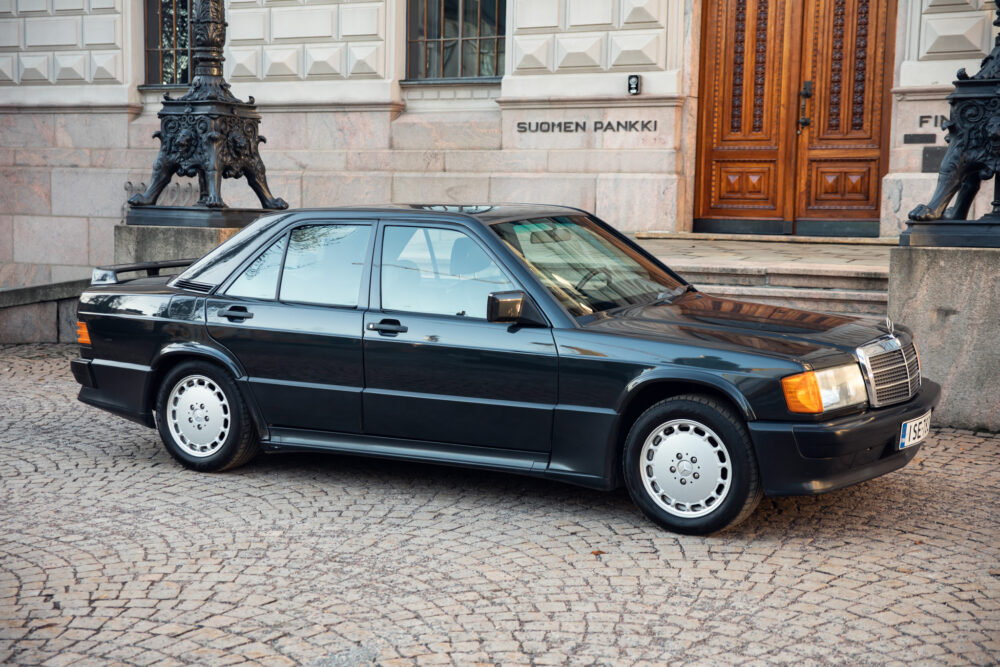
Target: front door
<point>435,369</point>
<point>793,111</point>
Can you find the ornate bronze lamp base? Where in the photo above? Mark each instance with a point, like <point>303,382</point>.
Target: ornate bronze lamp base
<point>208,132</point>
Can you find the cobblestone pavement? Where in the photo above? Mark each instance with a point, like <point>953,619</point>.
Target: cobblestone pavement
<point>112,553</point>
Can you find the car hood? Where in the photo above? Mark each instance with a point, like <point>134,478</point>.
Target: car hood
<point>810,337</point>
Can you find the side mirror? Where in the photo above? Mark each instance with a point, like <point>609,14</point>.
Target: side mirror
<point>514,307</point>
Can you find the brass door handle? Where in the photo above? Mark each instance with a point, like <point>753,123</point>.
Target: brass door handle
<point>804,94</point>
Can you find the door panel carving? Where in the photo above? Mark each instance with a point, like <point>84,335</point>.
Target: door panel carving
<point>755,160</point>
<point>745,184</point>
<point>837,185</point>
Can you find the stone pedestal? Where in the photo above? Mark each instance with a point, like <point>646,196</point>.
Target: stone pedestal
<point>154,233</point>
<point>950,297</point>
<point>135,243</point>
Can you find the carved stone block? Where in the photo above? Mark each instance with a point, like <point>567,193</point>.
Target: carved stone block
<point>532,52</point>
<point>7,65</point>
<point>324,61</point>
<point>579,51</point>
<point>364,59</point>
<point>280,61</point>
<point>641,11</point>
<point>34,66</point>
<point>71,66</point>
<point>106,66</point>
<point>360,21</point>
<point>635,49</point>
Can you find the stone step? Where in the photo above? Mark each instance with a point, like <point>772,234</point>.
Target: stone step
<point>839,301</point>
<point>791,274</point>
<point>772,238</point>
<point>833,288</point>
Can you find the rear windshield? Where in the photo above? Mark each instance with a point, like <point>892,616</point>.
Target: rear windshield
<point>213,268</point>
<point>588,269</point>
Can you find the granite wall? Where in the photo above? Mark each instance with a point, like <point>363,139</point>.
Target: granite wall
<point>950,297</point>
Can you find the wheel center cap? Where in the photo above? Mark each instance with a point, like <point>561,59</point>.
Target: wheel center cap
<point>684,468</point>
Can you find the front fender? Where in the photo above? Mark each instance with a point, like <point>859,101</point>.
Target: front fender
<point>686,376</point>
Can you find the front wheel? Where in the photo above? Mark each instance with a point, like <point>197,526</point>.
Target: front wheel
<point>689,465</point>
<point>203,420</point>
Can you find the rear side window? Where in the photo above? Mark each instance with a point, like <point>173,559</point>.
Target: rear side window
<point>260,279</point>
<point>324,264</point>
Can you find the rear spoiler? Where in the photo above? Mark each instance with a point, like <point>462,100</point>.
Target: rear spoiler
<point>108,275</point>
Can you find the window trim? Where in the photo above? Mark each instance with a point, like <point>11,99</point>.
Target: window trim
<point>454,81</point>
<point>376,284</point>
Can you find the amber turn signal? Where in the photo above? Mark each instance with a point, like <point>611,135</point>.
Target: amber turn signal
<point>82,335</point>
<point>802,393</point>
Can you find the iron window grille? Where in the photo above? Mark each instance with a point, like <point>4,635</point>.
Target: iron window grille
<point>455,39</point>
<point>168,42</point>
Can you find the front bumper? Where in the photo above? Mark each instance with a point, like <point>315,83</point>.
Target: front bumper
<point>798,458</point>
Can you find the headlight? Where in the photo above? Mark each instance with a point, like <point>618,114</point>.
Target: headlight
<point>819,391</point>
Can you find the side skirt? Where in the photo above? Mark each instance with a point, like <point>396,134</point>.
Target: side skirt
<point>501,460</point>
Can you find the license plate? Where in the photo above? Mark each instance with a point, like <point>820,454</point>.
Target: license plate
<point>914,432</point>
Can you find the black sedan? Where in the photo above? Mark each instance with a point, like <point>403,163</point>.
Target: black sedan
<point>523,338</point>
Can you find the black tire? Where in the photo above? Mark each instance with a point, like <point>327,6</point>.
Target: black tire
<point>720,427</point>
<point>234,441</point>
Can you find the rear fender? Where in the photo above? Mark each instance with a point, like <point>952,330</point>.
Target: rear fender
<point>196,350</point>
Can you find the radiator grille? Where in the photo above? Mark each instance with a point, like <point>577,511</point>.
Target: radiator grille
<point>893,370</point>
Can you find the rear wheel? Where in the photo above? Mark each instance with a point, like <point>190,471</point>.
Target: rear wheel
<point>203,420</point>
<point>689,465</point>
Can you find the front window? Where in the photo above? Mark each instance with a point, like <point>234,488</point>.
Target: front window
<point>168,42</point>
<point>586,267</point>
<point>453,39</point>
<point>437,271</point>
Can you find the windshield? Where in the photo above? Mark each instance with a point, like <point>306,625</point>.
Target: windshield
<point>584,266</point>
<point>213,268</point>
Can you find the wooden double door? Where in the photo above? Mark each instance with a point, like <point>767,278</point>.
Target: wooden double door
<point>793,115</point>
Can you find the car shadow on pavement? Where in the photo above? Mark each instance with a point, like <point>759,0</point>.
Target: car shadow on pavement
<point>861,508</point>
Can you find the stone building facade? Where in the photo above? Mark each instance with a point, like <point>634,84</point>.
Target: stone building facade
<point>347,122</point>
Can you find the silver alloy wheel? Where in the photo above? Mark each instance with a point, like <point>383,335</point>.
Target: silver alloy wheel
<point>685,468</point>
<point>198,415</point>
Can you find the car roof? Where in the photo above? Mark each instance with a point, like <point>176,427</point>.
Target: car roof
<point>487,214</point>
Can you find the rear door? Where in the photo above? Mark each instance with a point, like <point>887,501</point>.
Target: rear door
<point>435,369</point>
<point>294,316</point>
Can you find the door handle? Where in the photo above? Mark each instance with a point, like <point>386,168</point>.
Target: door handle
<point>804,94</point>
<point>235,313</point>
<point>387,327</point>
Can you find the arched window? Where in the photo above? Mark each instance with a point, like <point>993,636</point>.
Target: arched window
<point>168,42</point>
<point>455,39</point>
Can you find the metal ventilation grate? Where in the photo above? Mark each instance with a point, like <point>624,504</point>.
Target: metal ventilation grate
<point>193,286</point>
